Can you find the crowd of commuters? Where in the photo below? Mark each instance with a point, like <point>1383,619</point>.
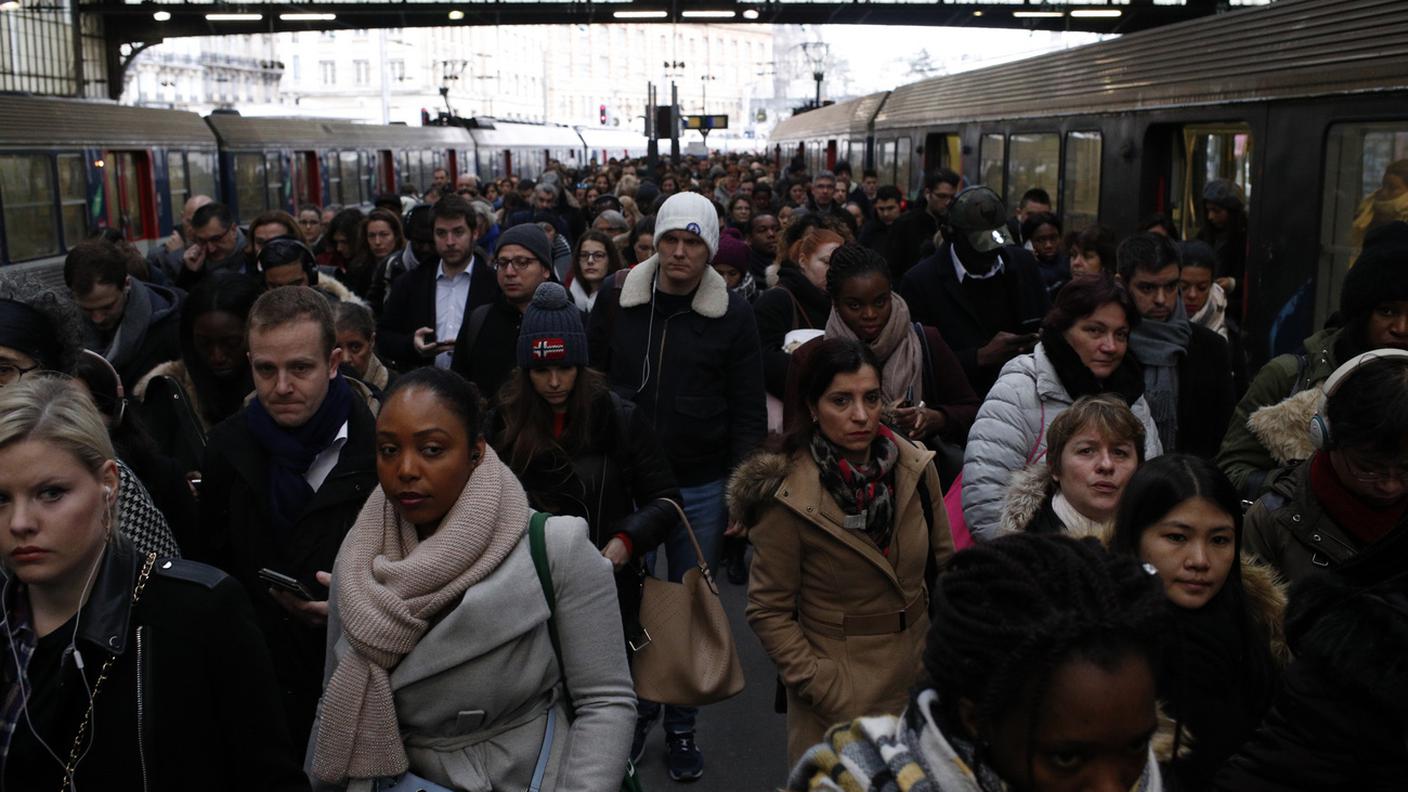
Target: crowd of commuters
<point>1011,508</point>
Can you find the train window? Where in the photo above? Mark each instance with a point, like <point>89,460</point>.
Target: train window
<point>904,165</point>
<point>1080,192</point>
<point>350,193</point>
<point>885,161</point>
<point>176,181</point>
<point>334,178</point>
<point>249,184</point>
<point>200,171</point>
<point>992,156</point>
<point>73,198</point>
<point>1366,186</point>
<point>1210,152</point>
<point>276,190</point>
<point>27,192</point>
<point>1033,160</point>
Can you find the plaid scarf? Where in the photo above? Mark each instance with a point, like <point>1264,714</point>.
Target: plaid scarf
<point>866,491</point>
<point>22,641</point>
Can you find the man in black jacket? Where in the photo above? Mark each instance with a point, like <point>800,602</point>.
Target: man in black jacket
<point>985,297</point>
<point>1187,369</point>
<point>285,478</point>
<point>674,339</point>
<point>427,307</point>
<point>485,351</point>
<point>886,211</point>
<point>912,236</point>
<point>135,326</point>
<point>762,231</point>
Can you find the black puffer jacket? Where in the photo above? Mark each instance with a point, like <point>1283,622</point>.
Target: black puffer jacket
<point>1341,721</point>
<point>189,702</point>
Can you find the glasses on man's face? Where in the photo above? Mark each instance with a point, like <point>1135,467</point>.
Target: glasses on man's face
<point>10,373</point>
<point>519,263</point>
<point>208,241</point>
<point>1375,472</point>
<point>592,255</point>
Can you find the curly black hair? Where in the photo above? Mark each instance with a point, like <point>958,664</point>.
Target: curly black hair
<point>849,261</point>
<point>1007,613</point>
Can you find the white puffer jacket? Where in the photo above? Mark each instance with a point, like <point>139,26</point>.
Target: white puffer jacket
<point>1008,425</point>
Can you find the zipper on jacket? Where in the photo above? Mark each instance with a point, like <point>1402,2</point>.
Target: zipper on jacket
<point>659,369</point>
<point>141,710</point>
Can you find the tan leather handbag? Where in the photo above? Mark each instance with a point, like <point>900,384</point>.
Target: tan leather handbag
<point>687,656</point>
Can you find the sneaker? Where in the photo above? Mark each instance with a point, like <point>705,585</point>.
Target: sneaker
<point>685,761</point>
<point>643,727</point>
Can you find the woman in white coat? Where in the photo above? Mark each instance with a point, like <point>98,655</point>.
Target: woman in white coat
<point>1084,340</point>
<point>441,661</point>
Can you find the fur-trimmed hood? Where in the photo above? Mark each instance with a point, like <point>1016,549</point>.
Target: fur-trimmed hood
<point>337,290</point>
<point>710,299</point>
<point>1284,428</point>
<point>1027,491</point>
<point>753,484</point>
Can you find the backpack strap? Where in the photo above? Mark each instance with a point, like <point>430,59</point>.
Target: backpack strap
<point>538,544</point>
<point>1302,365</point>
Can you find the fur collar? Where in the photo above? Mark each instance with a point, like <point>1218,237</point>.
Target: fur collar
<point>753,484</point>
<point>338,290</point>
<point>1026,494</point>
<point>1284,428</point>
<point>710,299</point>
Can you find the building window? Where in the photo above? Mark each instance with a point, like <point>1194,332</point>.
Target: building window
<point>398,70</point>
<point>297,69</point>
<point>362,71</point>
<point>327,71</point>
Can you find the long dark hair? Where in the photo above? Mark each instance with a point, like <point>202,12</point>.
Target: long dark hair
<point>527,419</point>
<point>230,293</point>
<point>828,357</point>
<point>613,255</point>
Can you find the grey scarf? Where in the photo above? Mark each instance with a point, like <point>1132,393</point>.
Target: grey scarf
<point>131,331</point>
<point>1159,346</point>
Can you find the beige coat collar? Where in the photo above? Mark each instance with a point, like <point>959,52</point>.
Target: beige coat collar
<point>710,300</point>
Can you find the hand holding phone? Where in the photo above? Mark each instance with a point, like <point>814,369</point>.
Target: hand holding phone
<point>281,582</point>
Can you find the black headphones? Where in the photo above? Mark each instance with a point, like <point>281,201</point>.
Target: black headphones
<point>284,249</point>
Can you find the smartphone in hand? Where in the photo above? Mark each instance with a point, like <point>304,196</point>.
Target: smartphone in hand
<point>282,582</point>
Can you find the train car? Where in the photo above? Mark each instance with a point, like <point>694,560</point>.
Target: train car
<point>831,133</point>
<point>279,163</point>
<point>603,143</point>
<point>68,168</point>
<point>507,148</point>
<point>1303,104</point>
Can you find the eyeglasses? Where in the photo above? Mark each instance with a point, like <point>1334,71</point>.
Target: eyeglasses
<point>10,373</point>
<point>592,255</point>
<point>1360,470</point>
<point>519,263</point>
<point>207,241</point>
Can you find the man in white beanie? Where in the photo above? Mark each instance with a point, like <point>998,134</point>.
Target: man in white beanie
<point>674,340</point>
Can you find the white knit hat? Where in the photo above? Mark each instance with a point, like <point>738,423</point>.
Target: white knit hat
<point>692,212</point>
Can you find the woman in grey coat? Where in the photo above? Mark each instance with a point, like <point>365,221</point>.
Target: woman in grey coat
<point>1084,340</point>
<point>440,661</point>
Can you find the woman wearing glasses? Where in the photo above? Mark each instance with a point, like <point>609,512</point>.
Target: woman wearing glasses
<point>1353,491</point>
<point>594,261</point>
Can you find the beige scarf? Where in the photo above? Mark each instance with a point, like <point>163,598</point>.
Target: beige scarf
<point>898,348</point>
<point>389,584</point>
<point>1077,524</point>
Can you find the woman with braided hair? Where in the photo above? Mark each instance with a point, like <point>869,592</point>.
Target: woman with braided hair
<point>845,520</point>
<point>1040,678</point>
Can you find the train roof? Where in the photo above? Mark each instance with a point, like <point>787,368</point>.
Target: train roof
<point>849,117</point>
<point>505,134</point>
<point>1293,48</point>
<point>612,138</point>
<point>48,121</point>
<point>242,132</point>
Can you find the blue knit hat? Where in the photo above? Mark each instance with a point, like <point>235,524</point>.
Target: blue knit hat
<point>551,333</point>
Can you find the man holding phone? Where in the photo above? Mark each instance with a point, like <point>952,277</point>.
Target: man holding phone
<point>983,294</point>
<point>428,306</point>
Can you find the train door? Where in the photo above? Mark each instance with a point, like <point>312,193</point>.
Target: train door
<point>830,155</point>
<point>306,177</point>
<point>943,150</point>
<point>1198,154</point>
<point>385,173</point>
<point>129,194</point>
<point>452,166</point>
<point>508,163</point>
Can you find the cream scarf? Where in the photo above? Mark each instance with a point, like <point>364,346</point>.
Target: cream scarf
<point>898,348</point>
<point>389,585</point>
<point>1077,524</point>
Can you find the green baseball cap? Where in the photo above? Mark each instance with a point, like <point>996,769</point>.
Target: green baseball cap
<point>979,214</point>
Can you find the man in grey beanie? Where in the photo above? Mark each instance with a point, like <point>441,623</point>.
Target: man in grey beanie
<point>485,351</point>
<point>674,340</point>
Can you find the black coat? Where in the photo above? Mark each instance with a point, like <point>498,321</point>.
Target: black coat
<point>794,304</point>
<point>239,539</point>
<point>190,701</point>
<point>1341,719</point>
<point>411,306</point>
<point>876,236</point>
<point>488,359</point>
<point>702,388</point>
<point>1206,394</point>
<point>936,299</point>
<point>163,339</point>
<point>909,239</point>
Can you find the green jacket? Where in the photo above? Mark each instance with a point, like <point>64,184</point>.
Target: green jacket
<point>1243,456</point>
<point>1288,529</point>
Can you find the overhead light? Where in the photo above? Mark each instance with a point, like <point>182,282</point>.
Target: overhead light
<point>307,17</point>
<point>1038,14</point>
<point>10,5</point>
<point>233,17</point>
<point>751,13</point>
<point>162,16</point>
<point>708,14</point>
<point>456,15</point>
<point>978,13</point>
<point>1096,13</point>
<point>639,14</point>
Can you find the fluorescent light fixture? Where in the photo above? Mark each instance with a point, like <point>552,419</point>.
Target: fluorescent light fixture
<point>307,17</point>
<point>1096,13</point>
<point>707,14</point>
<point>162,16</point>
<point>751,13</point>
<point>233,17</point>
<point>456,15</point>
<point>1038,14</point>
<point>10,5</point>
<point>639,14</point>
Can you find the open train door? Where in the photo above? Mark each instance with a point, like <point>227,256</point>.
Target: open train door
<point>830,155</point>
<point>128,201</point>
<point>307,178</point>
<point>386,174</point>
